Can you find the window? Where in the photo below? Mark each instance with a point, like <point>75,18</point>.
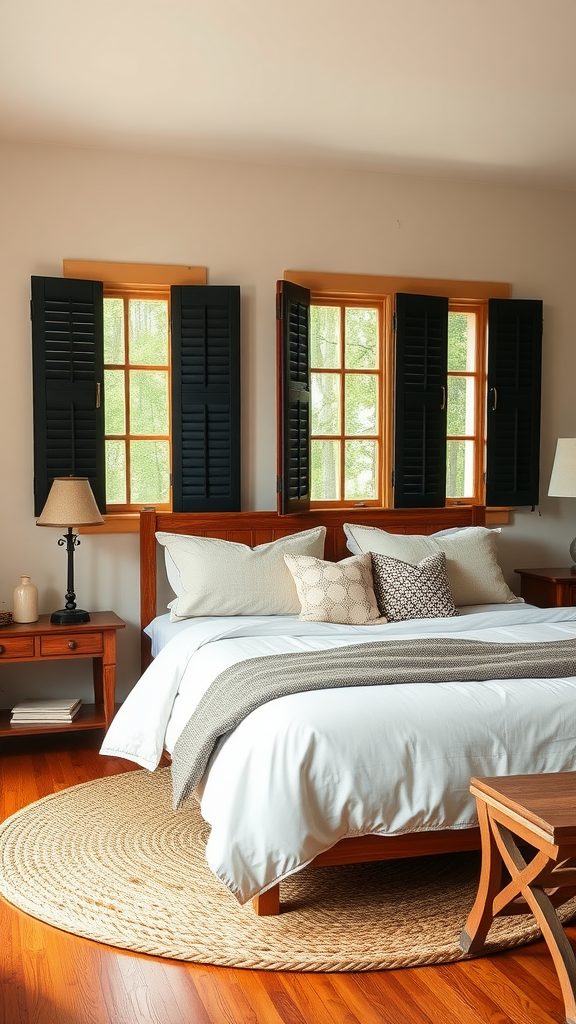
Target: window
<point>465,428</point>
<point>157,351</point>
<point>137,377</point>
<point>400,371</point>
<point>347,387</point>
<point>137,407</point>
<point>346,397</point>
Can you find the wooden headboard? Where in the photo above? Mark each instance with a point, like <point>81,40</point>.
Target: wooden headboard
<point>254,528</point>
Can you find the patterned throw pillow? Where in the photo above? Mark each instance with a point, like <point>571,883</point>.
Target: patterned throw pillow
<point>335,591</point>
<point>405,591</point>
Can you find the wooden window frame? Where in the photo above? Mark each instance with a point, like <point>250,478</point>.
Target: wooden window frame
<point>479,374</point>
<point>131,280</point>
<point>355,301</point>
<point>162,294</point>
<point>471,296</point>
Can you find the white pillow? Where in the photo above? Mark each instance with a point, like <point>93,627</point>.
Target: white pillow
<point>220,577</point>
<point>335,591</point>
<point>471,558</point>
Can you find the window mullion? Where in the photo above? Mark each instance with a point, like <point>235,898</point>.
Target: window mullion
<point>127,424</point>
<point>342,495</point>
<point>481,370</point>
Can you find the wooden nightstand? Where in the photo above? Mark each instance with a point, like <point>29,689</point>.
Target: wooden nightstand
<point>548,588</point>
<point>41,641</point>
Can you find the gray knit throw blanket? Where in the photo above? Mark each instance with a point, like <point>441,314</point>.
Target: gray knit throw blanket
<point>243,687</point>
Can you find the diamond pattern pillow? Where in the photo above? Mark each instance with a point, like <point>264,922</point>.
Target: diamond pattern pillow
<point>335,591</point>
<point>406,591</point>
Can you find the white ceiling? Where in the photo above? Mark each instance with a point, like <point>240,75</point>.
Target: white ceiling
<point>471,88</point>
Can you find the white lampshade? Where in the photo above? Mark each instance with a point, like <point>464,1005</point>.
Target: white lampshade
<point>70,503</point>
<point>563,478</point>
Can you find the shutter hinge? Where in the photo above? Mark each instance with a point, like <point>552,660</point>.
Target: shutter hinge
<point>279,306</point>
<point>393,478</point>
<point>171,480</point>
<point>278,485</point>
<point>31,310</point>
<point>394,321</point>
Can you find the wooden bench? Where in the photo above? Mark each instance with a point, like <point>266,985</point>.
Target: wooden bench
<point>538,810</point>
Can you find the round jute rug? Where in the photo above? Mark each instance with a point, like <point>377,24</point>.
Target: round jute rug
<point>110,860</point>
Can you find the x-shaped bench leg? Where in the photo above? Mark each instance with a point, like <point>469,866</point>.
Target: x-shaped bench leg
<point>522,894</point>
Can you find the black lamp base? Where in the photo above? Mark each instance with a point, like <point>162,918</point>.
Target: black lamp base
<point>69,617</point>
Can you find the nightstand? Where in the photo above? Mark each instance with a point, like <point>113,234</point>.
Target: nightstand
<point>548,588</point>
<point>42,641</point>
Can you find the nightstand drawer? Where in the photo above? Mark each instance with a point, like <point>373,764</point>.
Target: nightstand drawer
<point>79,643</point>
<point>17,647</point>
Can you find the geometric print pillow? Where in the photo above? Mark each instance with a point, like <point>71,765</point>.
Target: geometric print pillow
<point>405,591</point>
<point>335,591</point>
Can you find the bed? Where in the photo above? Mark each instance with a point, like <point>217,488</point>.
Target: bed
<point>339,804</point>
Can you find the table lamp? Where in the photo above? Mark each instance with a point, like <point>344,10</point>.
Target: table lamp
<point>70,501</point>
<point>563,478</point>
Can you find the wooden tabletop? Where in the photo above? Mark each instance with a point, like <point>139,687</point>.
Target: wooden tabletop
<point>547,801</point>
<point>554,574</point>
<point>98,620</point>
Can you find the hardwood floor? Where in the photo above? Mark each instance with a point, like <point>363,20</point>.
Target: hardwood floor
<point>51,977</point>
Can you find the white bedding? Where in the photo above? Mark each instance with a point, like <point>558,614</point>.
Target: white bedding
<point>306,770</point>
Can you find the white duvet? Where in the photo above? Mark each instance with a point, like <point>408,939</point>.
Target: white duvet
<point>308,769</point>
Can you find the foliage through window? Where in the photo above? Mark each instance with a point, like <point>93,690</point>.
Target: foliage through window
<point>137,400</point>
<point>466,388</point>
<point>345,344</point>
<point>351,401</point>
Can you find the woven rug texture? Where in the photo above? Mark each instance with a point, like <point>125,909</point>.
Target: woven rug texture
<point>111,861</point>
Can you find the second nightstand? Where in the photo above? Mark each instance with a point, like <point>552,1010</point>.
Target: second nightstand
<point>41,641</point>
<point>548,588</point>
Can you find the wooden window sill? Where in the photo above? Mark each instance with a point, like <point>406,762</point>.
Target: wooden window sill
<point>129,522</point>
<point>498,516</point>
<point>120,522</point>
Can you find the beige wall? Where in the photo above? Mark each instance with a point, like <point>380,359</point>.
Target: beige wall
<point>248,223</point>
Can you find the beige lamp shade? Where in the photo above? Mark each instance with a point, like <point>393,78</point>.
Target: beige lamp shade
<point>563,478</point>
<point>70,503</point>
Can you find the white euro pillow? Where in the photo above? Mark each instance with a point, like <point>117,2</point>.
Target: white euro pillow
<point>220,577</point>
<point>471,558</point>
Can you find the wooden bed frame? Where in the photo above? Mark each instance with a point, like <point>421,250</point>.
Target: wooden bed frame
<point>254,528</point>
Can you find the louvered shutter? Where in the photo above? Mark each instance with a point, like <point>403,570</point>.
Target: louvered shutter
<point>513,414</point>
<point>293,320</point>
<point>420,401</point>
<point>68,373</point>
<point>206,398</point>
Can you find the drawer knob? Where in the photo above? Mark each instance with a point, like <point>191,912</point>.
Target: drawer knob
<point>72,645</point>
<point>2,648</point>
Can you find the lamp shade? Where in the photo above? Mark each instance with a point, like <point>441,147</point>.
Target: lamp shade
<point>70,503</point>
<point>563,478</point>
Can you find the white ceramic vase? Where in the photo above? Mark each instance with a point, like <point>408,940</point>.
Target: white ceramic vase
<point>25,601</point>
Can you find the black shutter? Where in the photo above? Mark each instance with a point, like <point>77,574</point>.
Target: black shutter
<point>68,376</point>
<point>293,317</point>
<point>513,414</point>
<point>206,398</point>
<point>420,401</point>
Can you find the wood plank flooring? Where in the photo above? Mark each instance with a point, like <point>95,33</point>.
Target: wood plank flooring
<point>51,977</point>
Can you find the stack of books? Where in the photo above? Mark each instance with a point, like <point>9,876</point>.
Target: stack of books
<point>45,712</point>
